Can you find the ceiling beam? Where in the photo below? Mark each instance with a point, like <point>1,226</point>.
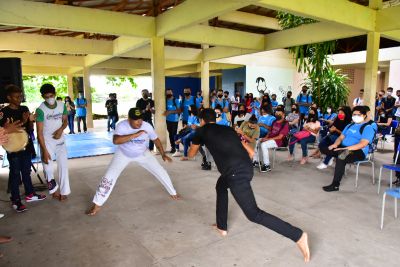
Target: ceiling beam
<point>201,34</point>
<point>251,20</point>
<point>392,35</point>
<point>47,60</point>
<point>72,18</point>
<point>192,12</point>
<point>338,11</point>
<point>44,70</point>
<point>171,52</point>
<point>53,44</point>
<point>388,19</point>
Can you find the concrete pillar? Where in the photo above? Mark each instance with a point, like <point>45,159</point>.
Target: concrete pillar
<point>88,95</point>
<point>394,74</point>
<point>70,86</point>
<point>371,70</point>
<point>205,80</point>
<point>158,77</point>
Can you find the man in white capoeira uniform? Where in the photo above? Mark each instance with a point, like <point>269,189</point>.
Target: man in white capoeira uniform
<point>132,137</point>
<point>51,120</point>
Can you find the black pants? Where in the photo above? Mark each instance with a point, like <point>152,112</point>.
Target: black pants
<point>20,166</point>
<point>340,166</point>
<point>78,122</point>
<point>396,144</point>
<point>239,184</point>
<point>233,115</point>
<point>172,128</point>
<point>151,143</point>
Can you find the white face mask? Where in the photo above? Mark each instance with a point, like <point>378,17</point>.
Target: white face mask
<point>51,101</point>
<point>329,110</point>
<point>389,93</point>
<point>357,119</point>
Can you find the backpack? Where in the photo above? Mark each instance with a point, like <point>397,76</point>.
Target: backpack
<point>372,146</point>
<point>292,102</point>
<point>300,96</point>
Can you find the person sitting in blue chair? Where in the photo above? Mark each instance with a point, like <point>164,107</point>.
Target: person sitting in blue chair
<point>265,121</point>
<point>351,146</point>
<point>384,121</point>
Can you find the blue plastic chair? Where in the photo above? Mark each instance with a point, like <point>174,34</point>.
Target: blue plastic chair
<point>391,167</point>
<point>388,131</point>
<point>368,160</point>
<point>395,193</point>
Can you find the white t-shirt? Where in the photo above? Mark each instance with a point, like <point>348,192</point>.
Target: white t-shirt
<point>237,119</point>
<point>52,118</point>
<point>235,103</point>
<point>358,102</point>
<point>139,145</point>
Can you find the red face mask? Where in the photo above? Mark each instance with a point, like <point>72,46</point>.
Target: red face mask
<point>341,116</point>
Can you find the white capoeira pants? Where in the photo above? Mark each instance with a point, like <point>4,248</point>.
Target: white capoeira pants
<point>58,151</point>
<point>118,164</point>
<point>264,146</point>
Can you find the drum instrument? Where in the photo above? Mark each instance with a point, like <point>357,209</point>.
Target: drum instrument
<point>16,142</point>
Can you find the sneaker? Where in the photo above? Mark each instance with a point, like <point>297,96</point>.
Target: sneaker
<point>52,185</point>
<point>397,182</point>
<point>177,154</point>
<point>206,167</point>
<point>322,166</point>
<point>1,215</point>
<point>330,163</point>
<point>34,197</point>
<point>265,168</point>
<point>18,206</point>
<point>255,164</point>
<point>172,151</point>
<point>330,188</point>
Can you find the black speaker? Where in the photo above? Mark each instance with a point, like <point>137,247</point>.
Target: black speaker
<point>10,73</point>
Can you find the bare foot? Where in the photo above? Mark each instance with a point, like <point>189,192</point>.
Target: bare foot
<point>177,142</point>
<point>63,198</point>
<point>303,161</point>
<point>303,246</point>
<point>184,159</point>
<point>221,232</point>
<point>56,196</point>
<point>289,158</point>
<point>93,210</point>
<point>5,239</point>
<point>176,197</point>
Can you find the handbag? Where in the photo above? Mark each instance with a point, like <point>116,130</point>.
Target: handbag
<point>302,134</point>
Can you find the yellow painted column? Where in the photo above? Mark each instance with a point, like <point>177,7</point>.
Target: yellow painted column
<point>158,78</point>
<point>70,86</point>
<point>371,70</point>
<point>88,95</point>
<point>205,80</point>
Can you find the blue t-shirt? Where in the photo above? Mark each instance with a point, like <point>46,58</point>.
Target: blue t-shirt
<point>223,122</point>
<point>80,112</point>
<point>274,103</point>
<point>254,111</point>
<point>330,117</point>
<point>222,102</point>
<point>268,120</point>
<point>193,120</point>
<point>170,106</point>
<point>353,136</point>
<point>304,99</point>
<point>186,104</point>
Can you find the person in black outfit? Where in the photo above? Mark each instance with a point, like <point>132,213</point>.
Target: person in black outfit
<point>112,111</point>
<point>20,162</point>
<point>146,105</point>
<point>389,101</point>
<point>233,160</point>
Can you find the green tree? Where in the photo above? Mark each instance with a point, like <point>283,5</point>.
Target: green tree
<point>313,60</point>
<point>118,81</point>
<point>32,84</point>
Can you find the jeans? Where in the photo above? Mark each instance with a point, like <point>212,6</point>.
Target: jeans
<point>303,142</point>
<point>20,166</point>
<point>112,120</point>
<point>186,142</point>
<point>240,187</point>
<point>172,128</point>
<point>396,144</point>
<point>78,123</point>
<point>71,118</point>
<point>340,166</point>
<point>151,143</point>
<point>326,142</point>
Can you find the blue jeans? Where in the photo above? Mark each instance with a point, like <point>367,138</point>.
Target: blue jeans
<point>113,120</point>
<point>326,142</point>
<point>186,142</point>
<point>20,167</point>
<point>71,118</point>
<point>303,142</point>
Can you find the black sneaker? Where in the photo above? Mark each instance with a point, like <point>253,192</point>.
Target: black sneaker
<point>206,166</point>
<point>265,168</point>
<point>52,185</point>
<point>172,151</point>
<point>397,182</point>
<point>330,188</point>
<point>255,164</point>
<point>18,206</point>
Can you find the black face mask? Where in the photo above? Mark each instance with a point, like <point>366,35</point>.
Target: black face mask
<point>219,96</point>
<point>294,109</point>
<point>241,112</point>
<point>187,94</point>
<point>304,91</point>
<point>169,95</point>
<point>278,117</point>
<point>218,115</point>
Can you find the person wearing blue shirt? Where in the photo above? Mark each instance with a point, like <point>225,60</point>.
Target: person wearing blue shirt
<point>255,107</point>
<point>221,101</point>
<point>351,146</point>
<point>80,104</point>
<point>304,101</point>
<point>172,117</point>
<point>187,101</point>
<point>220,119</point>
<point>274,103</point>
<point>193,123</point>
<point>265,122</point>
